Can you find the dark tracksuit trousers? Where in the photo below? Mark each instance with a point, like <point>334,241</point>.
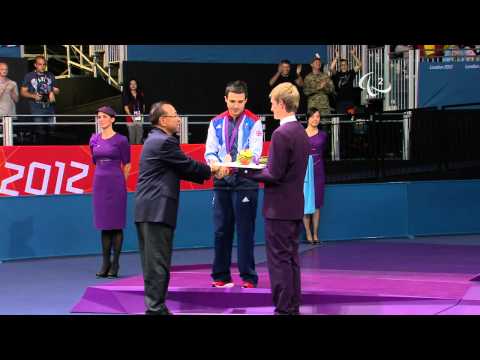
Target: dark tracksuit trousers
<point>234,209</point>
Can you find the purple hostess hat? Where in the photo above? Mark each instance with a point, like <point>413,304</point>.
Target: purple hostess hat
<point>107,110</point>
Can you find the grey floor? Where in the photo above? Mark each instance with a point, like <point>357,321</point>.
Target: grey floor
<point>54,285</point>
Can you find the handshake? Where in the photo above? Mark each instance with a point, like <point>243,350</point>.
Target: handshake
<point>219,171</point>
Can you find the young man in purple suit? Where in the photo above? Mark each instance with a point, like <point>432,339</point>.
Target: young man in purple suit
<point>283,199</point>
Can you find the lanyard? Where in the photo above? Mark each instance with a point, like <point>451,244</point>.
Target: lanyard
<point>229,141</point>
<point>43,77</point>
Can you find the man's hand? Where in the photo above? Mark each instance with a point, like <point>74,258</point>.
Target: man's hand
<point>37,97</point>
<point>337,54</point>
<point>13,92</point>
<point>224,171</point>
<point>218,171</point>
<point>214,167</point>
<point>51,97</point>
<point>353,51</point>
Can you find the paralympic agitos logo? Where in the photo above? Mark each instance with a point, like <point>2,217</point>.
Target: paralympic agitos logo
<point>372,90</point>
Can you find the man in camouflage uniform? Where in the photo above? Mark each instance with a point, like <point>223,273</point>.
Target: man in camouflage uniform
<point>317,86</point>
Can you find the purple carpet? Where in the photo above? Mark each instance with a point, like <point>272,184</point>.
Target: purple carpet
<point>361,278</point>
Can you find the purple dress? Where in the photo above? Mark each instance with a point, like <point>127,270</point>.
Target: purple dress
<point>109,186</point>
<point>317,143</point>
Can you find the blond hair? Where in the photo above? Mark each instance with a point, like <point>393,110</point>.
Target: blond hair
<point>288,93</point>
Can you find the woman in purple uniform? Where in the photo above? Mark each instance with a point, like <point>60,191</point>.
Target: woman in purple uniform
<point>317,142</point>
<point>111,155</point>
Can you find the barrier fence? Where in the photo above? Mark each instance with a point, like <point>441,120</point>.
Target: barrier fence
<point>363,147</point>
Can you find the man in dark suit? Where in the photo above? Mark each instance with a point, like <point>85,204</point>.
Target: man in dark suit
<point>283,199</point>
<point>162,166</point>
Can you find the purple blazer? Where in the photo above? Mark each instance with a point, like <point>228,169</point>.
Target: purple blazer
<point>285,173</point>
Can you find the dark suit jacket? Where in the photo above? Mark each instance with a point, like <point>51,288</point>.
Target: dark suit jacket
<point>285,173</point>
<point>162,165</point>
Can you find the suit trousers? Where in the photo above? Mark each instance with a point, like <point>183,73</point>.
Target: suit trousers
<point>155,244</point>
<point>282,242</point>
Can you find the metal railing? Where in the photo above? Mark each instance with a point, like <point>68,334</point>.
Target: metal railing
<point>399,73</point>
<point>413,144</point>
<point>403,78</point>
<point>449,58</point>
<point>19,130</point>
<point>99,60</point>
<point>112,53</point>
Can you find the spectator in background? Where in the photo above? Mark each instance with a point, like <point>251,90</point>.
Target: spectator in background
<point>469,52</point>
<point>429,50</point>
<point>40,89</point>
<point>343,81</point>
<point>283,74</point>
<point>449,52</point>
<point>460,53</point>
<point>401,50</point>
<point>8,92</point>
<point>317,86</point>
<point>477,49</point>
<point>134,106</point>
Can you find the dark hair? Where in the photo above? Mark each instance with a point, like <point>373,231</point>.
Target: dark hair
<point>128,93</point>
<point>285,61</point>
<point>156,111</point>
<point>128,84</point>
<point>237,87</point>
<point>344,60</point>
<point>310,112</point>
<point>129,100</point>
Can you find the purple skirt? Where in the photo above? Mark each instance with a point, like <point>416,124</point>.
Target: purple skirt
<point>109,196</point>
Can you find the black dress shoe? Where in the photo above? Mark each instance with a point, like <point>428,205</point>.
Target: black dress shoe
<point>113,272</point>
<point>103,273</point>
<point>161,312</point>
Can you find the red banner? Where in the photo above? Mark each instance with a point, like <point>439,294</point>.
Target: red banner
<point>54,170</point>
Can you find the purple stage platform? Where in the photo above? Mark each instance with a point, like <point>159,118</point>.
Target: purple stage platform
<point>351,278</point>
